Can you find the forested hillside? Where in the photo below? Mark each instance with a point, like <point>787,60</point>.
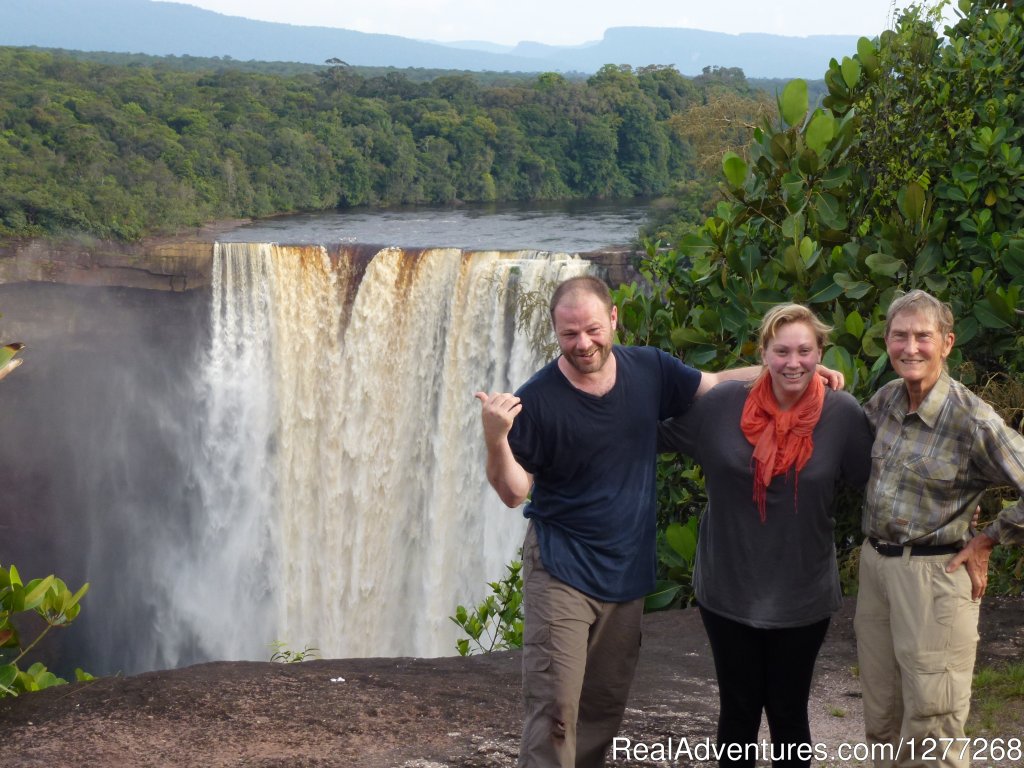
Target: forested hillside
<point>125,151</point>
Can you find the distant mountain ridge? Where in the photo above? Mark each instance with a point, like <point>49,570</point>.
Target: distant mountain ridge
<point>159,28</point>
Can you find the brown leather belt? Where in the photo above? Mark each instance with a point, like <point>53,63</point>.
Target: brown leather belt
<point>916,550</point>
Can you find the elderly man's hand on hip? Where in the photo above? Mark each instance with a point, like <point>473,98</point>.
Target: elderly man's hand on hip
<point>975,557</point>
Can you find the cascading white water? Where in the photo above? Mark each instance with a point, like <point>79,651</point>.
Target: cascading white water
<point>343,499</point>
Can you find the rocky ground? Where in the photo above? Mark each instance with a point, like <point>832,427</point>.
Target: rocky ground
<point>406,713</point>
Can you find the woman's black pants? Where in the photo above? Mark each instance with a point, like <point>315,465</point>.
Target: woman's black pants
<point>763,669</point>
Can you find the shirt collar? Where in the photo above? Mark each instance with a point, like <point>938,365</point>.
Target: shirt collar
<point>930,408</point>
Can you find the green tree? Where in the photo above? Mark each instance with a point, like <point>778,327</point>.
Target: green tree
<point>909,175</point>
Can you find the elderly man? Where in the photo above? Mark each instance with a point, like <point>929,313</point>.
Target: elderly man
<point>937,448</point>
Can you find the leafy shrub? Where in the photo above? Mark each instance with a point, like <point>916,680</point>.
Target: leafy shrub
<point>48,598</point>
<point>496,624</point>
<point>910,175</point>
<point>677,549</point>
<point>281,653</point>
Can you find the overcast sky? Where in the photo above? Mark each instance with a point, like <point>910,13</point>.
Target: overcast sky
<point>566,22</point>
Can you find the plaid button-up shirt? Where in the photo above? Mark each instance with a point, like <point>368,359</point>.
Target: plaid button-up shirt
<point>930,468</point>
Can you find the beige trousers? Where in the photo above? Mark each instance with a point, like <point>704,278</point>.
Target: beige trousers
<point>579,655</point>
<point>917,633</point>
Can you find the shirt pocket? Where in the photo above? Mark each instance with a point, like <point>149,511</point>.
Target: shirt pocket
<point>932,481</point>
<point>932,469</point>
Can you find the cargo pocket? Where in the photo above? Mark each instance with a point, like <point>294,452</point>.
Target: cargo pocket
<point>929,687</point>
<point>536,654</point>
<point>940,684</point>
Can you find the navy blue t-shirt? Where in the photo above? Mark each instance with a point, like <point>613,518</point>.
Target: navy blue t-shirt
<point>593,465</point>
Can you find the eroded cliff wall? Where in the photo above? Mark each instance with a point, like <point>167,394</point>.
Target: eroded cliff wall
<point>167,264</point>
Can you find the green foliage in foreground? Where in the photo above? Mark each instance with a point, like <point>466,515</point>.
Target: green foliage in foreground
<point>677,550</point>
<point>496,624</point>
<point>281,653</point>
<point>49,599</point>
<point>910,175</point>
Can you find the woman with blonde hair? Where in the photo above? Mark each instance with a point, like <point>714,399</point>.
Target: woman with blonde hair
<point>765,577</point>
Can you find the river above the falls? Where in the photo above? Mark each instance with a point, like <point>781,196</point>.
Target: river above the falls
<point>570,227</point>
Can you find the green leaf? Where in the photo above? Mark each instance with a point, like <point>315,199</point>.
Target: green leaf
<point>829,211</point>
<point>78,595</point>
<point>1000,306</point>
<point>966,329</point>
<point>873,341</point>
<point>849,341</point>
<point>839,359</point>
<point>824,289</point>
<point>793,102</point>
<point>851,71</point>
<point>988,317</point>
<point>911,201</point>
<point>735,169</point>
<point>709,320</point>
<point>781,147</point>
<point>8,351</point>
<point>35,592</point>
<point>884,264</point>
<point>792,264</point>
<point>750,259</point>
<point>701,355</point>
<point>928,259</point>
<point>794,186</point>
<point>809,162</point>
<point>766,298</point>
<point>807,250</point>
<point>879,367</point>
<point>855,324</point>
<point>868,55</point>
<point>835,178</point>
<point>793,226</point>
<point>1013,261</point>
<point>687,336</point>
<point>694,245</point>
<point>8,674</point>
<point>854,289</point>
<point>662,596</point>
<point>682,540</point>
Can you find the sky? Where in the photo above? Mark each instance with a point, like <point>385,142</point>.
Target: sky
<point>565,22</point>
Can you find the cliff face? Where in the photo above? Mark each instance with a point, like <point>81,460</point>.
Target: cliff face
<point>165,264</point>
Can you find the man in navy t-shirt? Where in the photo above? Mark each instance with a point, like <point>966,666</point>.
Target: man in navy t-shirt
<point>582,434</point>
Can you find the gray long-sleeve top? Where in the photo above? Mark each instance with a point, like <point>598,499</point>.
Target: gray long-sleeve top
<point>780,573</point>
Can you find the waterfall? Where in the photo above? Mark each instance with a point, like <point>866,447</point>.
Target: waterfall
<point>339,481</point>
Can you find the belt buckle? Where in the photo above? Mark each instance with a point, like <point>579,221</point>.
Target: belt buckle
<point>885,548</point>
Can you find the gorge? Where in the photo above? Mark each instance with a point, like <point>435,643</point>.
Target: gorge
<point>242,443</point>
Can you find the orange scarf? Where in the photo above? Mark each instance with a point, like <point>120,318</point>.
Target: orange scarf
<point>781,439</point>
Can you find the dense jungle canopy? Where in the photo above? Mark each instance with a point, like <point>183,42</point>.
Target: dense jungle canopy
<point>141,147</point>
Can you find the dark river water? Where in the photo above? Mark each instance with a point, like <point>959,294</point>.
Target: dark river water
<point>571,227</point>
